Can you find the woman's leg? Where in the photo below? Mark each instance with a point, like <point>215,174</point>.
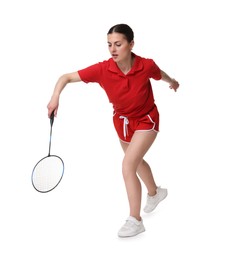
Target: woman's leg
<point>140,143</point>
<point>144,172</point>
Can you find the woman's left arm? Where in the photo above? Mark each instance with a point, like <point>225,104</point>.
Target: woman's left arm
<point>173,84</point>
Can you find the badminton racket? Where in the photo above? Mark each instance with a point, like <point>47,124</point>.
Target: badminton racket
<point>48,171</point>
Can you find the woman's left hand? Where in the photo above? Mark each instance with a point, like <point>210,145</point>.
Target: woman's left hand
<point>174,85</point>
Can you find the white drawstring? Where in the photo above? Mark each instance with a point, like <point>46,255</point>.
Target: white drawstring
<point>125,125</point>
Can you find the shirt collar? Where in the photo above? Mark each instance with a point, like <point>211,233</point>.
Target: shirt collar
<point>137,66</point>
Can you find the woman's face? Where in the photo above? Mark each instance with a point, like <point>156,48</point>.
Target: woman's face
<point>119,47</point>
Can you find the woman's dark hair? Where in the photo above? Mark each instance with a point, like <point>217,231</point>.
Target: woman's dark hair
<point>123,29</point>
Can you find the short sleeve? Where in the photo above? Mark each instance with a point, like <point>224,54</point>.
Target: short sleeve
<point>91,73</point>
<point>154,70</point>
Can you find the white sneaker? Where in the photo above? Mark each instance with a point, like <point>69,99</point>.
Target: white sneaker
<point>153,201</point>
<point>131,228</point>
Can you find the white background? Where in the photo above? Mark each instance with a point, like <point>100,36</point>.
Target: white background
<point>41,40</point>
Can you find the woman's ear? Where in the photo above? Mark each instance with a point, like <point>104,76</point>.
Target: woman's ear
<point>132,44</point>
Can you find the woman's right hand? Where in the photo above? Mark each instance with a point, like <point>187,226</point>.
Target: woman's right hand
<point>53,105</point>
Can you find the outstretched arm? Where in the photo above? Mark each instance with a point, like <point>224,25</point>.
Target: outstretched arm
<point>173,84</point>
<point>60,85</point>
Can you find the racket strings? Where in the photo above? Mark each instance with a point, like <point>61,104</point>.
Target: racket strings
<point>47,173</point>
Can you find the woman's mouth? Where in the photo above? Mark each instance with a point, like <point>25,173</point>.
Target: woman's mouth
<point>114,56</point>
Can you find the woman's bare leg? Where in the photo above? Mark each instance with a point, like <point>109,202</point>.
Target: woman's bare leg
<point>144,172</point>
<point>146,176</point>
<point>134,153</point>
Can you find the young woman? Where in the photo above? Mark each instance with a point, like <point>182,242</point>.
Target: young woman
<point>125,77</point>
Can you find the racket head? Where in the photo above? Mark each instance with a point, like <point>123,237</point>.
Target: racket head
<point>47,173</point>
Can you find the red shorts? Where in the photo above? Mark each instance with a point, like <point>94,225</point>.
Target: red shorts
<point>127,126</point>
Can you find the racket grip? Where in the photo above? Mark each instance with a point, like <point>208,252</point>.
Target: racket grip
<point>52,118</point>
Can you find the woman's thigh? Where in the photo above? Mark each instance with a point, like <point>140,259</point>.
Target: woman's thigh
<point>138,147</point>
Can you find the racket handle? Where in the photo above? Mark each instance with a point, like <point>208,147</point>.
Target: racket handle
<point>52,118</point>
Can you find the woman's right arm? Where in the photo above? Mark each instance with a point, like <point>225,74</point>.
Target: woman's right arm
<point>61,83</point>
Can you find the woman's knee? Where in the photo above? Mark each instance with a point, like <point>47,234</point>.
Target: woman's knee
<point>129,167</point>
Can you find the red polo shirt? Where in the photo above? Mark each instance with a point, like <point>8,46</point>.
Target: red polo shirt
<point>130,94</point>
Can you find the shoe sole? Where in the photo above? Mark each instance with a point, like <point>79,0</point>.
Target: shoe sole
<point>132,235</point>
